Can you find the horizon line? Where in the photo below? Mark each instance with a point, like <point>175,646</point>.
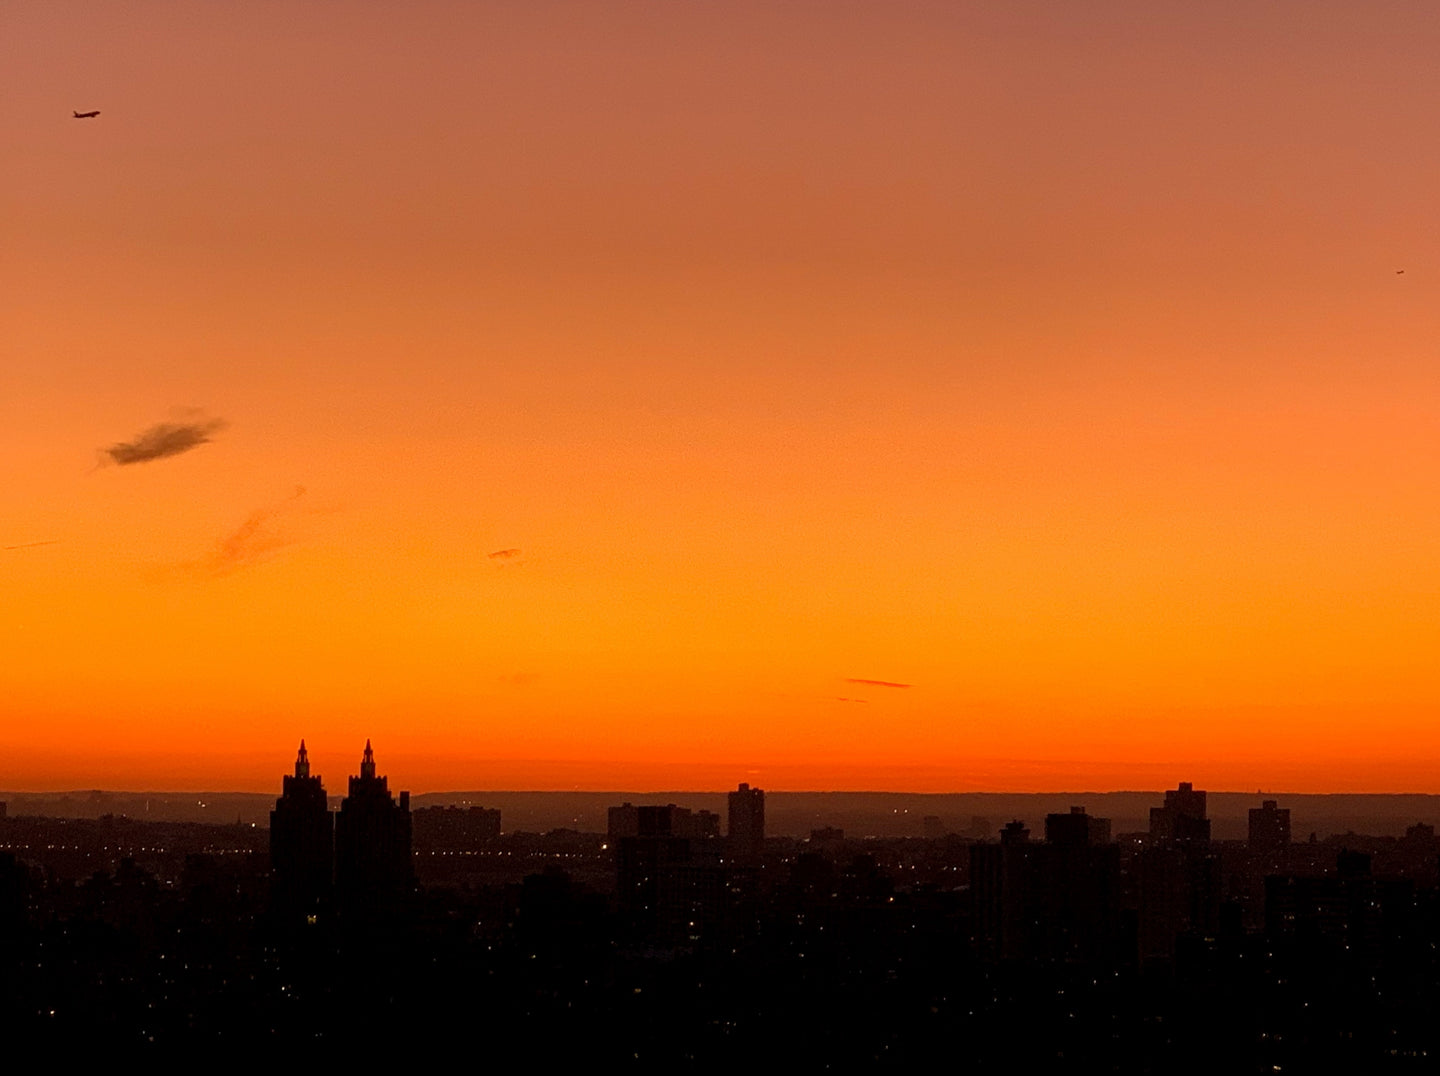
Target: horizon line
<point>708,792</point>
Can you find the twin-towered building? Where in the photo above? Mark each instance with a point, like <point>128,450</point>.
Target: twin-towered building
<point>359,857</point>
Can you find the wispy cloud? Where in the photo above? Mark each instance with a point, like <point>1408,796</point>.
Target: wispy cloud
<point>504,554</point>
<point>247,543</point>
<point>874,683</point>
<point>163,440</point>
<point>32,545</point>
<point>841,698</point>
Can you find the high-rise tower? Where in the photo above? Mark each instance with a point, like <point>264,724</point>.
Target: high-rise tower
<point>747,822</point>
<point>373,869</point>
<point>301,842</point>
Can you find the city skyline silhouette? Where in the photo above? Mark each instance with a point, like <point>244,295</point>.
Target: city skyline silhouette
<point>683,937</point>
<point>654,537</point>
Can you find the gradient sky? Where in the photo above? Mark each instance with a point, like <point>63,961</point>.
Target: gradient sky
<point>1052,363</point>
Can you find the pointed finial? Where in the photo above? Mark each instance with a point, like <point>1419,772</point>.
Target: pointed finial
<point>367,764</point>
<point>302,762</point>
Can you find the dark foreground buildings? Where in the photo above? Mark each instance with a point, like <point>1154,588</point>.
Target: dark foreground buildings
<point>667,947</point>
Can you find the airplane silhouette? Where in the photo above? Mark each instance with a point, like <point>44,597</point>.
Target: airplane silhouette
<point>87,115</point>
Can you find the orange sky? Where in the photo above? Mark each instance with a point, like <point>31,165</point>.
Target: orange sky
<point>1053,360</point>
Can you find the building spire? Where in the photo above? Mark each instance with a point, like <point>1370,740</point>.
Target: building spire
<point>367,764</point>
<point>302,762</point>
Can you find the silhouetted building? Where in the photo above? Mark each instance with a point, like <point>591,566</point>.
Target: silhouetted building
<point>301,842</point>
<point>1177,879</point>
<point>373,867</point>
<point>14,887</point>
<point>1418,834</point>
<point>654,820</point>
<point>1269,827</point>
<point>639,864</point>
<point>1076,828</point>
<point>668,876</point>
<point>1182,818</point>
<point>453,828</point>
<point>1070,900</point>
<point>1050,901</point>
<point>1342,916</point>
<point>998,875</point>
<point>1179,888</point>
<point>747,822</point>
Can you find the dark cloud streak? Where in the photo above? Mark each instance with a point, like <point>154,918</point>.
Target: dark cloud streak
<point>164,440</point>
<point>874,683</point>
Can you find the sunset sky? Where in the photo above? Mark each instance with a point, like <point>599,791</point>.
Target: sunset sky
<point>915,395</point>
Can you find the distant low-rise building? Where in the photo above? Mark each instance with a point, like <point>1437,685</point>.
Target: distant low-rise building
<point>455,827</point>
<point>661,820</point>
<point>1076,828</point>
<point>1182,818</point>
